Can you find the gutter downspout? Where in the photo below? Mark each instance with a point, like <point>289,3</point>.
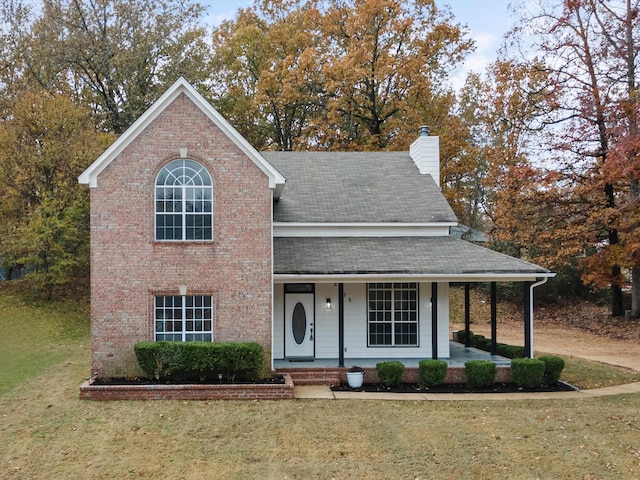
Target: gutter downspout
<point>531,287</point>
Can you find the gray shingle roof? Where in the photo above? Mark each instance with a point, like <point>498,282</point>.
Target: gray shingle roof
<point>356,187</point>
<point>393,256</point>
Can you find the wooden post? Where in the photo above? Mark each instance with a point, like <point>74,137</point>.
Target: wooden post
<point>434,320</point>
<point>341,324</point>
<point>467,315</point>
<point>494,319</point>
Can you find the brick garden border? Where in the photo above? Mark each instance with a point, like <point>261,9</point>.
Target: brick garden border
<point>332,375</point>
<point>412,375</point>
<point>284,391</point>
<point>253,391</point>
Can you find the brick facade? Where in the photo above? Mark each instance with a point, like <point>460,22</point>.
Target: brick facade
<point>129,267</point>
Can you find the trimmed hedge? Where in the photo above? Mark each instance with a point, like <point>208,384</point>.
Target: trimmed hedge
<point>553,367</point>
<point>390,372</point>
<point>527,372</point>
<point>462,335</point>
<point>508,351</point>
<point>432,372</point>
<point>480,373</point>
<point>188,361</point>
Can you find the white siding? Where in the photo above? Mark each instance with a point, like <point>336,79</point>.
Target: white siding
<point>355,320</point>
<point>355,328</point>
<point>326,321</point>
<point>290,229</point>
<point>278,321</point>
<point>443,319</point>
<point>355,336</point>
<point>425,152</point>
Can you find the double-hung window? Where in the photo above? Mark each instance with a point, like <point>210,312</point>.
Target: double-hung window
<point>184,318</point>
<point>184,202</point>
<point>393,314</point>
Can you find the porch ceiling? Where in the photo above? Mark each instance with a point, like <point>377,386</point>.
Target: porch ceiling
<point>442,258</point>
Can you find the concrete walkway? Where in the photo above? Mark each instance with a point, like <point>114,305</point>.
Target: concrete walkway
<point>319,392</point>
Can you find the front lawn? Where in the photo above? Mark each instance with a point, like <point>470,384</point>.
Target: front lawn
<point>36,335</point>
<point>47,432</point>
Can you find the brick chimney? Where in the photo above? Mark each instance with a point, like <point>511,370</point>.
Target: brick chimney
<point>425,153</point>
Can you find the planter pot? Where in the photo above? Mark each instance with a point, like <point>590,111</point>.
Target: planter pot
<point>355,379</point>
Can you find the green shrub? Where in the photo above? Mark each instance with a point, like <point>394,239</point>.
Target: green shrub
<point>462,335</point>
<point>480,373</point>
<point>238,360</point>
<point>432,372</point>
<point>527,372</point>
<point>188,361</point>
<point>510,351</point>
<point>553,367</point>
<point>475,339</point>
<point>390,372</point>
<point>158,359</point>
<point>146,354</point>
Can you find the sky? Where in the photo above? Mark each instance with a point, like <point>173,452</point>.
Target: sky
<point>487,20</point>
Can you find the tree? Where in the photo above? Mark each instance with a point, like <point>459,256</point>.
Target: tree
<point>117,56</point>
<point>387,70</point>
<point>44,224</point>
<point>502,111</point>
<point>589,50</point>
<point>356,74</point>
<point>267,76</point>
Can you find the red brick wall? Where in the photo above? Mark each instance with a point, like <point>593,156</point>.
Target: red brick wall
<point>128,267</point>
<point>189,392</point>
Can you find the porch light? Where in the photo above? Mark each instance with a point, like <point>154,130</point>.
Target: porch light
<point>328,304</point>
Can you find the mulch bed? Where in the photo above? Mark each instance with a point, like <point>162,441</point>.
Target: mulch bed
<point>277,380</point>
<point>453,388</point>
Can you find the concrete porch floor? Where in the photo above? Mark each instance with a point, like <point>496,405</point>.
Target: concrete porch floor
<point>459,355</point>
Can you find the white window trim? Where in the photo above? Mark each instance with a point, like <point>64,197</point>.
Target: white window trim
<point>393,322</point>
<point>183,212</point>
<point>184,318</point>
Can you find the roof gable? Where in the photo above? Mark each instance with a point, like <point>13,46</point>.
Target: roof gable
<point>181,86</point>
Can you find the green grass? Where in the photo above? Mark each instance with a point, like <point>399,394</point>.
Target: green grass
<point>586,374</point>
<point>36,335</point>
<point>46,431</point>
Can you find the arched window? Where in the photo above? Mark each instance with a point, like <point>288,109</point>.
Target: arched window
<point>184,202</point>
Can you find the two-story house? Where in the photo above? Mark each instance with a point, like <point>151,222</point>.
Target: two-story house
<point>331,256</point>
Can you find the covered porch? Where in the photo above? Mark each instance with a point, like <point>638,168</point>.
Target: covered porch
<point>340,274</point>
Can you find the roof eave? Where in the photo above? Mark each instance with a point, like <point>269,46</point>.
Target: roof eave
<point>437,277</point>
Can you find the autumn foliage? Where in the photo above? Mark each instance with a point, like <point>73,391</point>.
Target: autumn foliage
<point>540,150</point>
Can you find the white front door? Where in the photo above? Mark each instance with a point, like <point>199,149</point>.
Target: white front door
<point>299,319</point>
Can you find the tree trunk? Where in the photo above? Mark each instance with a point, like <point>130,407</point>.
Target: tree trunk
<point>617,305</point>
<point>634,190</point>
<point>635,292</point>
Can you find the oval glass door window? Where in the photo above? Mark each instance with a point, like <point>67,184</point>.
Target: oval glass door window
<point>299,323</point>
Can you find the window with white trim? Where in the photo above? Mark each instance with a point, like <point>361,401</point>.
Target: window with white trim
<point>184,318</point>
<point>184,202</point>
<point>393,314</point>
